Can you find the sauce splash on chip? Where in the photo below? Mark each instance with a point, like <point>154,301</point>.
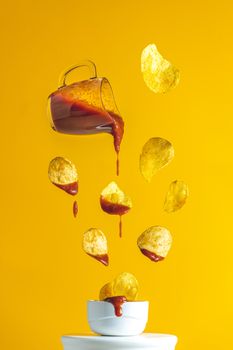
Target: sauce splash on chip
<point>152,256</point>
<point>103,258</point>
<point>71,189</point>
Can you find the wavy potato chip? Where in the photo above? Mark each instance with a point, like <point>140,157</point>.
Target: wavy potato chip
<point>156,153</point>
<point>63,174</point>
<point>114,201</point>
<point>176,196</point>
<point>95,245</point>
<point>106,291</point>
<point>62,171</point>
<point>159,74</point>
<point>125,285</point>
<point>155,243</point>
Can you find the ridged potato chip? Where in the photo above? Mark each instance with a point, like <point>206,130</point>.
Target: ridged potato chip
<point>106,291</point>
<point>114,201</point>
<point>155,243</point>
<point>62,171</point>
<point>156,153</point>
<point>176,196</point>
<point>125,285</point>
<point>159,74</point>
<point>95,245</point>
<point>63,174</point>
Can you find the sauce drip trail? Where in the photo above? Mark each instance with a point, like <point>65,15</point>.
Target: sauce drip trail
<point>117,164</point>
<point>120,226</point>
<point>117,302</point>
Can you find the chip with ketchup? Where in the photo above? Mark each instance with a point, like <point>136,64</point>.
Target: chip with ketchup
<point>63,174</point>
<point>115,202</point>
<point>155,243</point>
<point>95,244</point>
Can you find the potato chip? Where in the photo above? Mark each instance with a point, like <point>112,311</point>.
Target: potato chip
<point>106,291</point>
<point>62,171</point>
<point>125,285</point>
<point>63,174</point>
<point>176,196</point>
<point>95,245</point>
<point>156,153</point>
<point>155,243</point>
<point>114,201</point>
<point>159,74</point>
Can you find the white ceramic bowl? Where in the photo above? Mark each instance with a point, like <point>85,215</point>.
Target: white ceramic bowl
<point>102,319</point>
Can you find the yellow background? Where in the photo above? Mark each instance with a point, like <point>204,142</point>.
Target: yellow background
<point>45,277</point>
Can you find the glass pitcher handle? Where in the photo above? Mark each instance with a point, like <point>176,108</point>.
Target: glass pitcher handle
<point>89,64</point>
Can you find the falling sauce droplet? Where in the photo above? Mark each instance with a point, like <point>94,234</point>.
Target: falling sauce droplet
<point>75,208</point>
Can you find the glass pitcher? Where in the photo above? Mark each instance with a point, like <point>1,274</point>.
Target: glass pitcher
<point>86,107</point>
